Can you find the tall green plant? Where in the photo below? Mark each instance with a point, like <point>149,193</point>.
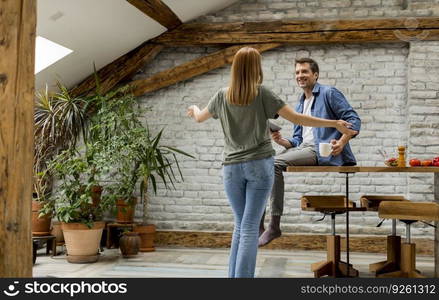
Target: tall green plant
<point>79,170</point>
<point>156,161</point>
<point>59,121</point>
<point>138,158</point>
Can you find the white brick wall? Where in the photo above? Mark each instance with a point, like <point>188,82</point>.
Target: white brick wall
<point>393,87</point>
<point>256,10</point>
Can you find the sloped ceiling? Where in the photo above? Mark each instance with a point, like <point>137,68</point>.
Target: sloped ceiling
<point>100,31</point>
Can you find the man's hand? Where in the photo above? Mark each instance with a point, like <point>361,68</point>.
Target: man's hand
<point>337,146</point>
<point>276,136</point>
<point>278,139</point>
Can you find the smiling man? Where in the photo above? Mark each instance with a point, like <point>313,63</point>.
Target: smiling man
<point>302,148</point>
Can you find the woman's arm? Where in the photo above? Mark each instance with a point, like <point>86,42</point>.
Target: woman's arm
<point>199,115</point>
<point>288,113</point>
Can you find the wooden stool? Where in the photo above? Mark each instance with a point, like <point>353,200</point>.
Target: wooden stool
<point>50,243</point>
<point>408,212</point>
<point>392,263</point>
<point>332,205</point>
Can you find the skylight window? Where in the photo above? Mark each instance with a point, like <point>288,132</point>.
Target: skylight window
<point>48,53</point>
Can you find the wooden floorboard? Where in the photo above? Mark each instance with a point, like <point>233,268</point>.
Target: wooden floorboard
<point>168,262</point>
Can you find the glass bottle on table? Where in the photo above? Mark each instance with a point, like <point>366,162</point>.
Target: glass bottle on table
<point>401,157</point>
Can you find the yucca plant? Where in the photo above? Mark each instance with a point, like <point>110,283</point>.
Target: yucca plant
<point>154,162</point>
<point>59,120</point>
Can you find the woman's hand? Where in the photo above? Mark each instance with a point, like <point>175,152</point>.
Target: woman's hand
<point>199,115</point>
<point>344,127</point>
<point>192,110</point>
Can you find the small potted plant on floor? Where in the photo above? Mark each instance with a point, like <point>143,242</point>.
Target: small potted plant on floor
<point>129,243</point>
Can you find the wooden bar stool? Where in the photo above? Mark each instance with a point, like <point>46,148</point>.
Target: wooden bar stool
<point>408,212</point>
<point>331,205</point>
<point>392,263</point>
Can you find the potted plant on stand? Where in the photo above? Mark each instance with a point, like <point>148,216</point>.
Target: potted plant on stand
<point>72,204</point>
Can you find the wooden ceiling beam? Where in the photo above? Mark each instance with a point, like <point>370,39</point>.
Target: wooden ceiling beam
<point>192,68</point>
<point>116,71</point>
<point>303,32</point>
<point>158,11</point>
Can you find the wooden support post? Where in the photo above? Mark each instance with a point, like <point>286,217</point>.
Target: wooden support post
<point>408,257</point>
<point>17,83</point>
<point>333,252</point>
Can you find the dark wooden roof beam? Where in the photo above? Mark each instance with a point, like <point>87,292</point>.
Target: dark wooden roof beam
<point>158,11</point>
<point>191,69</point>
<point>118,70</point>
<point>303,32</point>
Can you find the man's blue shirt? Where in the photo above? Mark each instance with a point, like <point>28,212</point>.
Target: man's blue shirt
<point>329,103</point>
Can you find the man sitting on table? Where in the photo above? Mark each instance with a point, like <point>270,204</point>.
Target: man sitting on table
<point>302,149</point>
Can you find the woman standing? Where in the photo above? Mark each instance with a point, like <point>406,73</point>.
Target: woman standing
<point>248,173</point>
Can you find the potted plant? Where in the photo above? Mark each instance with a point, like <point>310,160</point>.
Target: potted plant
<point>129,243</point>
<point>138,159</point>
<point>156,161</point>
<point>40,220</point>
<point>141,163</point>
<point>115,115</point>
<point>72,204</point>
<point>58,120</point>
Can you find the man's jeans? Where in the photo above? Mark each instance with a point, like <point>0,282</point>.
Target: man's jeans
<point>304,155</point>
<point>247,187</point>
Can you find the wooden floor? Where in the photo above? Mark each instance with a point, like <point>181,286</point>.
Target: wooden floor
<point>201,263</point>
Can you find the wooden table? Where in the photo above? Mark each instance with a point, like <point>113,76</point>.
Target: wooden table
<point>360,169</point>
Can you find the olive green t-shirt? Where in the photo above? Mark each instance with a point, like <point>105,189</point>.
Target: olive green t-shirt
<point>246,135</point>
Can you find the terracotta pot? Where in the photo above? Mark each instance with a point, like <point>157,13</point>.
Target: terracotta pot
<point>82,243</point>
<point>125,210</point>
<point>129,244</point>
<point>57,232</point>
<point>40,226</point>
<point>147,236</point>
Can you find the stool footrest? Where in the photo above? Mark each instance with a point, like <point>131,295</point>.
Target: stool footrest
<point>328,204</point>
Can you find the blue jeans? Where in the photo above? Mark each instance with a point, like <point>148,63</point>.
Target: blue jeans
<point>247,186</point>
